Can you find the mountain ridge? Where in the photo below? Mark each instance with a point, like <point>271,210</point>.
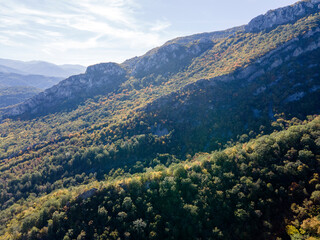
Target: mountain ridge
<point>176,54</point>
<point>42,68</point>
<point>283,15</point>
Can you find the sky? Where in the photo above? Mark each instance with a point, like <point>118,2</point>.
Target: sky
<point>92,31</point>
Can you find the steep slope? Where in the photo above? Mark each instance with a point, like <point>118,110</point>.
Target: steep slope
<point>41,75</point>
<point>16,88</point>
<point>284,81</point>
<point>289,14</point>
<point>121,123</point>
<point>98,79</point>
<point>243,192</point>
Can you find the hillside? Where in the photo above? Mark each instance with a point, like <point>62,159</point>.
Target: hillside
<point>263,189</point>
<point>83,148</point>
<point>13,95</point>
<point>23,77</point>
<point>16,88</point>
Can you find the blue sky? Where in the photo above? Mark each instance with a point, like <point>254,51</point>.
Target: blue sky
<point>92,31</point>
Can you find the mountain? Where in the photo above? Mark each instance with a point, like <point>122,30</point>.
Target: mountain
<point>36,74</point>
<point>38,81</point>
<point>102,78</point>
<point>5,69</point>
<point>42,68</point>
<point>183,58</point>
<point>13,95</point>
<point>16,88</point>
<point>119,151</point>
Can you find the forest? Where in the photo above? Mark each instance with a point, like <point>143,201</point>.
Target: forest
<point>266,188</point>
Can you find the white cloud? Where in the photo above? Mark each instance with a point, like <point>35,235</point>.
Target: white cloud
<point>62,27</point>
<point>160,26</point>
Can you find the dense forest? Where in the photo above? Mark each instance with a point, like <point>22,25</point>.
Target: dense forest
<point>211,136</point>
<point>262,189</point>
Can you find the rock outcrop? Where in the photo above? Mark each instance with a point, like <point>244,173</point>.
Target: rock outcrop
<point>98,79</point>
<point>176,53</point>
<point>274,18</point>
<point>169,58</point>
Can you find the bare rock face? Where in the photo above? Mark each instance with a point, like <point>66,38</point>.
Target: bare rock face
<point>284,15</point>
<point>197,44</point>
<point>98,79</point>
<point>170,57</point>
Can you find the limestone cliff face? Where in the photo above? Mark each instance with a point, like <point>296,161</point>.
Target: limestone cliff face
<point>284,15</point>
<point>169,58</point>
<point>98,79</point>
<point>175,54</point>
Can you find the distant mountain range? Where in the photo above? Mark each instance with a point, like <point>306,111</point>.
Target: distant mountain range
<point>30,78</point>
<point>39,68</point>
<point>13,95</point>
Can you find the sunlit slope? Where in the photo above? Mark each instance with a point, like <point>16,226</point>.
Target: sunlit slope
<point>263,189</point>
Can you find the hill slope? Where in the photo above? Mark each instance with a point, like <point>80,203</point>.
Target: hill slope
<point>192,94</point>
<point>263,189</point>
<point>13,95</point>
<point>18,75</point>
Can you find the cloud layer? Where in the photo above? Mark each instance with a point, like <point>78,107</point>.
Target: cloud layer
<point>79,31</point>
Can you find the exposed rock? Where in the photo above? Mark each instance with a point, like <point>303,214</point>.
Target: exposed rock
<point>159,131</point>
<point>259,90</point>
<point>256,113</point>
<point>281,16</point>
<point>169,58</point>
<point>198,42</point>
<point>98,79</point>
<point>314,88</point>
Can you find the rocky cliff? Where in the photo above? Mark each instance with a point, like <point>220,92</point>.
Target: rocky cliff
<point>98,79</point>
<point>284,15</point>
